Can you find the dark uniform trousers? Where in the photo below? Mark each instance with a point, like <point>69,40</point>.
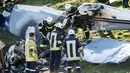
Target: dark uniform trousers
<point>2,19</point>
<point>55,57</point>
<point>125,3</point>
<point>70,64</point>
<point>31,67</point>
<point>87,33</point>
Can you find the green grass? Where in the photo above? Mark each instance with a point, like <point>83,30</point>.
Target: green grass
<point>105,68</point>
<point>8,38</point>
<point>116,34</point>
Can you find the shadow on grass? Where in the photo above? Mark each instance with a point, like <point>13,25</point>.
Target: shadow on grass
<point>118,4</point>
<point>108,34</point>
<point>39,2</point>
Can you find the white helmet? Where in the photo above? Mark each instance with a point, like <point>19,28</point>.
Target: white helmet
<point>30,30</point>
<point>68,6</point>
<point>59,25</point>
<point>49,20</point>
<point>71,31</point>
<point>90,13</point>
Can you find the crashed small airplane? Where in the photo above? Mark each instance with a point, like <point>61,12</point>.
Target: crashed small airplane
<point>96,15</point>
<point>103,17</point>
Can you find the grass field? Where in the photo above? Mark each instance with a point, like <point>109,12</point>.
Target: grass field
<point>8,39</point>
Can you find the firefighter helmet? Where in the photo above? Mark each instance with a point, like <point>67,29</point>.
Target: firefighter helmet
<point>71,31</point>
<point>68,6</point>
<point>49,20</point>
<point>60,25</point>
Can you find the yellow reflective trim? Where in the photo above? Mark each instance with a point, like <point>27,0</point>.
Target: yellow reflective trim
<point>46,28</point>
<point>50,27</point>
<point>12,0</point>
<point>129,3</point>
<point>73,58</point>
<point>40,27</point>
<point>55,25</point>
<point>59,42</point>
<point>68,48</point>
<point>55,49</point>
<point>86,30</point>
<point>41,45</point>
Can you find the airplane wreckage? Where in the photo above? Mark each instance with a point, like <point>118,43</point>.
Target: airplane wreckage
<point>95,16</point>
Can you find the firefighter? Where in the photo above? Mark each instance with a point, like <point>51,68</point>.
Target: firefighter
<point>9,2</point>
<point>43,51</point>
<point>71,10</point>
<point>74,17</point>
<point>87,33</point>
<point>47,26</point>
<point>72,46</point>
<point>56,38</point>
<point>6,3</point>
<point>31,52</point>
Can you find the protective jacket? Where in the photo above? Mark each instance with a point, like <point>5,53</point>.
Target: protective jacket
<point>56,38</point>
<point>72,46</point>
<point>45,27</point>
<point>30,50</point>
